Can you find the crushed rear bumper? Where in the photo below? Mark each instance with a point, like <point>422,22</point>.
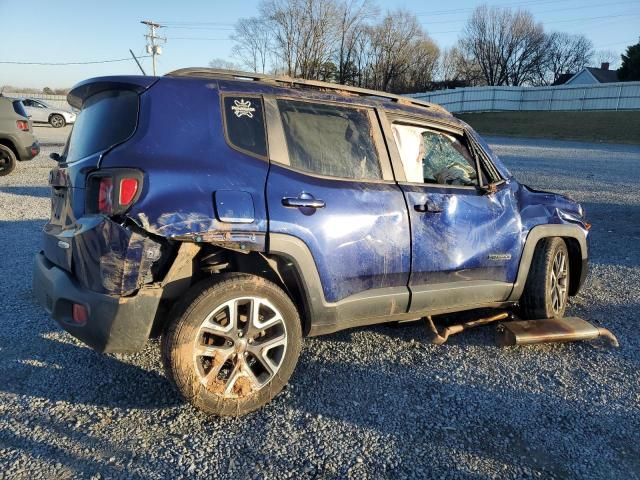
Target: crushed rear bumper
<point>115,324</point>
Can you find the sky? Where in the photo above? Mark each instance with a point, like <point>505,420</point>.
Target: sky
<point>85,30</point>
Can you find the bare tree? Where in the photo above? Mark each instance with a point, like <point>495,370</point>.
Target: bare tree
<point>564,54</point>
<point>400,53</point>
<point>607,56</point>
<point>224,64</point>
<point>303,33</point>
<point>351,28</point>
<point>422,67</point>
<point>456,66</point>
<point>509,46</point>
<point>253,43</point>
<point>333,40</point>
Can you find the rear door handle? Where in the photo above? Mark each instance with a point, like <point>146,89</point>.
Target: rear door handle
<point>427,208</point>
<point>305,200</point>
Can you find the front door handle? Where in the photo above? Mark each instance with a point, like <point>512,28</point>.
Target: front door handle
<point>304,200</point>
<point>427,208</point>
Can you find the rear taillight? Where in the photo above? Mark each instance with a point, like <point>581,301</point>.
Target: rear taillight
<point>128,190</point>
<point>22,125</point>
<point>105,195</point>
<point>113,191</point>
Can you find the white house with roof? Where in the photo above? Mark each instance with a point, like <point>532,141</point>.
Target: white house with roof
<point>594,76</point>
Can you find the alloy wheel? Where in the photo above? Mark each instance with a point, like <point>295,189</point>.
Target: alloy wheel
<point>240,346</point>
<point>57,121</point>
<point>559,277</point>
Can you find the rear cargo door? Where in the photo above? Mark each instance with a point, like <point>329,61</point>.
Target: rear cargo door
<point>108,117</point>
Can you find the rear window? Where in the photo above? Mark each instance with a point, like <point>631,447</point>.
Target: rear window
<point>107,118</point>
<point>19,108</point>
<point>330,140</point>
<point>244,122</point>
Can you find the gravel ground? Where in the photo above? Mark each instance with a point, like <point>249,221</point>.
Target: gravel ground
<point>47,135</point>
<point>374,402</point>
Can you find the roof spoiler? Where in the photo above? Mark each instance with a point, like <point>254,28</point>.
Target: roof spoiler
<point>83,90</point>
<point>300,82</point>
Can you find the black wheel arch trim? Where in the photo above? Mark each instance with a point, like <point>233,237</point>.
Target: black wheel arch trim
<point>577,241</point>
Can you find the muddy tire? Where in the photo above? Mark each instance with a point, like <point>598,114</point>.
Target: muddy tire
<point>547,288</point>
<point>233,344</point>
<point>7,161</point>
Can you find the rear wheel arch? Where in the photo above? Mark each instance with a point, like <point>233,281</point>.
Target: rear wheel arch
<point>207,261</point>
<point>10,145</point>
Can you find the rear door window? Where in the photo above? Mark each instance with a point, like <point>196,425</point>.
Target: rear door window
<point>330,140</point>
<point>244,124</point>
<point>106,119</point>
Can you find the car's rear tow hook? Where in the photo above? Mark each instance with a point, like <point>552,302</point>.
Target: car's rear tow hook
<point>440,338</point>
<point>569,329</point>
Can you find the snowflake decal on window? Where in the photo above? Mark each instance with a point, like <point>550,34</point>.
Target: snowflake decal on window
<point>243,108</point>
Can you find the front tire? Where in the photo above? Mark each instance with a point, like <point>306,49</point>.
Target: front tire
<point>7,161</point>
<point>233,344</point>
<point>57,121</point>
<point>547,288</point>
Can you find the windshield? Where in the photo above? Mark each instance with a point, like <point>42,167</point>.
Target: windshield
<point>106,118</point>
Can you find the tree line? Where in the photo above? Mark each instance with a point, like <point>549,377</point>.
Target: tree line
<point>351,42</point>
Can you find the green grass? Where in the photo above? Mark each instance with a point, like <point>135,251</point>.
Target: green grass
<point>601,127</point>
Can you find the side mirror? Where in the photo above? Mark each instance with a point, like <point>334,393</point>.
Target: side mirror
<point>55,156</point>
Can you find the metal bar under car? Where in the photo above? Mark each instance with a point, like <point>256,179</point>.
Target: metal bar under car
<point>528,332</point>
<point>569,329</point>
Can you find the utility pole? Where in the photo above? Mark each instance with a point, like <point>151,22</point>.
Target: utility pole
<point>152,47</point>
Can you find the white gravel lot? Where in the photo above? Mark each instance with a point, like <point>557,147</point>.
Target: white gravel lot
<point>373,402</point>
<point>47,135</point>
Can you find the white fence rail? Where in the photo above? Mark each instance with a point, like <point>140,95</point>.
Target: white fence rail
<point>609,96</point>
<point>57,101</point>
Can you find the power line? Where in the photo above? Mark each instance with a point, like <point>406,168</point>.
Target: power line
<point>502,5</point>
<point>586,19</point>
<point>628,14</point>
<point>582,7</point>
<point>200,27</point>
<point>173,24</point>
<point>71,63</point>
<point>199,38</point>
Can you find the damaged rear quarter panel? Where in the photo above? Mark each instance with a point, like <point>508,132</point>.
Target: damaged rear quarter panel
<point>181,148</point>
<point>111,258</point>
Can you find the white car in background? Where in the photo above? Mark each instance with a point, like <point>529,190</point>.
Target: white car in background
<point>41,112</point>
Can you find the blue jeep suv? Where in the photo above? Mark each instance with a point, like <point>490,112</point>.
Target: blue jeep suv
<point>233,214</point>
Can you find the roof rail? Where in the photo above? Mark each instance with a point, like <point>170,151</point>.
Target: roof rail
<point>288,81</point>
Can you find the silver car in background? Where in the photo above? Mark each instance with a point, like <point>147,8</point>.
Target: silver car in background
<point>41,112</point>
